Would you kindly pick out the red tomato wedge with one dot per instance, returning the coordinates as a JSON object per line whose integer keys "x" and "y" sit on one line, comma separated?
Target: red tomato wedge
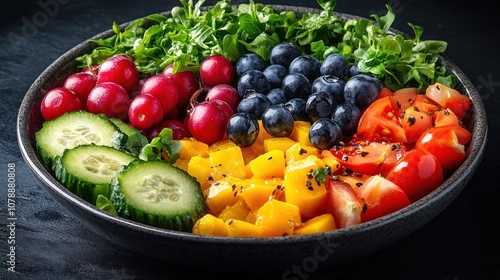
{"x": 343, "y": 204}
{"x": 415, "y": 122}
{"x": 445, "y": 117}
{"x": 417, "y": 174}
{"x": 442, "y": 142}
{"x": 450, "y": 98}
{"x": 405, "y": 97}
{"x": 381, "y": 122}
{"x": 380, "y": 197}
{"x": 369, "y": 158}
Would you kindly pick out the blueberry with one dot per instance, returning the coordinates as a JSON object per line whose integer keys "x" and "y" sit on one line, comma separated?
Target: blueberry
{"x": 347, "y": 115}
{"x": 331, "y": 84}
{"x": 297, "y": 106}
{"x": 296, "y": 85}
{"x": 253, "y": 80}
{"x": 255, "y": 104}
{"x": 277, "y": 121}
{"x": 335, "y": 65}
{"x": 362, "y": 90}
{"x": 249, "y": 61}
{"x": 306, "y": 65}
{"x": 275, "y": 74}
{"x": 242, "y": 129}
{"x": 320, "y": 105}
{"x": 283, "y": 54}
{"x": 353, "y": 70}
{"x": 325, "y": 133}
{"x": 277, "y": 96}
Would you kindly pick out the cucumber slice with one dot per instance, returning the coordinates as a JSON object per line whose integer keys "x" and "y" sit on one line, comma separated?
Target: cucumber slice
{"x": 73, "y": 129}
{"x": 87, "y": 170}
{"x": 158, "y": 194}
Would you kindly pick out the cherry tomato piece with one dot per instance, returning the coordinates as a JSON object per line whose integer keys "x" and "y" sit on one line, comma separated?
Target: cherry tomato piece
{"x": 110, "y": 99}
{"x": 145, "y": 111}
{"x": 362, "y": 157}
{"x": 119, "y": 69}
{"x": 164, "y": 88}
{"x": 58, "y": 101}
{"x": 81, "y": 84}
{"x": 450, "y": 98}
{"x": 380, "y": 122}
{"x": 443, "y": 143}
{"x": 343, "y": 204}
{"x": 207, "y": 122}
{"x": 216, "y": 69}
{"x": 415, "y": 122}
{"x": 187, "y": 84}
{"x": 380, "y": 197}
{"x": 418, "y": 173}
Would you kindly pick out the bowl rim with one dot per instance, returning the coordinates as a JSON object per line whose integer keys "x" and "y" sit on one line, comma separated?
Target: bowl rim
{"x": 463, "y": 172}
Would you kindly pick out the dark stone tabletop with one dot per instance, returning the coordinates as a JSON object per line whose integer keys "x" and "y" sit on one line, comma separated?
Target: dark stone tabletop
{"x": 462, "y": 242}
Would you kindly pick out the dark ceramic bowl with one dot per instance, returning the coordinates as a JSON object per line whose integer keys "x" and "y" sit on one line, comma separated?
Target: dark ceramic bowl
{"x": 267, "y": 255}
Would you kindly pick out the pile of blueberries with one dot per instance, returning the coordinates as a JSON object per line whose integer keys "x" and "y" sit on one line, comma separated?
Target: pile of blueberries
{"x": 298, "y": 87}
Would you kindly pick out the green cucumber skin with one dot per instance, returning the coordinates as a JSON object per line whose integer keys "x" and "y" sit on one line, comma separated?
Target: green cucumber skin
{"x": 181, "y": 222}
{"x": 83, "y": 189}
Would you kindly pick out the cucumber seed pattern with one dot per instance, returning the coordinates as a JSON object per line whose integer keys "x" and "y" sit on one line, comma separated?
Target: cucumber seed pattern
{"x": 80, "y": 135}
{"x": 156, "y": 189}
{"x": 99, "y": 164}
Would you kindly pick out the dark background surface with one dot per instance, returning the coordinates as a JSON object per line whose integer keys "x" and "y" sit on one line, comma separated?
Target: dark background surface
{"x": 462, "y": 242}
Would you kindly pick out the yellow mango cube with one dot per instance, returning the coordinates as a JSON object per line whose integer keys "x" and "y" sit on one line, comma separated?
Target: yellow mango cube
{"x": 238, "y": 228}
{"x": 278, "y": 143}
{"x": 278, "y": 218}
{"x": 298, "y": 151}
{"x": 201, "y": 168}
{"x": 210, "y": 225}
{"x": 237, "y": 211}
{"x": 321, "y": 223}
{"x": 227, "y": 162}
{"x": 268, "y": 165}
{"x": 192, "y": 147}
{"x": 300, "y": 132}
{"x": 302, "y": 189}
{"x": 222, "y": 193}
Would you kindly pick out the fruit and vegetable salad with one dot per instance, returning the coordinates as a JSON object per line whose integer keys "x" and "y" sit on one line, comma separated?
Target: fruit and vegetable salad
{"x": 242, "y": 121}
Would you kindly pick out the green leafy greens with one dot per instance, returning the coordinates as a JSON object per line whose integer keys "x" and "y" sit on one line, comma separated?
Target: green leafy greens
{"x": 193, "y": 32}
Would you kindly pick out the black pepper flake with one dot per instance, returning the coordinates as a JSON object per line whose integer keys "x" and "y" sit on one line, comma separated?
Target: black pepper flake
{"x": 235, "y": 193}
{"x": 416, "y": 109}
{"x": 309, "y": 185}
{"x": 345, "y": 158}
{"x": 269, "y": 158}
{"x": 302, "y": 151}
{"x": 411, "y": 120}
{"x": 220, "y": 164}
{"x": 359, "y": 184}
{"x": 310, "y": 176}
{"x": 365, "y": 207}
{"x": 216, "y": 183}
{"x": 395, "y": 147}
{"x": 399, "y": 105}
{"x": 233, "y": 187}
{"x": 363, "y": 153}
{"x": 210, "y": 178}
{"x": 446, "y": 112}
{"x": 230, "y": 221}
{"x": 410, "y": 100}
